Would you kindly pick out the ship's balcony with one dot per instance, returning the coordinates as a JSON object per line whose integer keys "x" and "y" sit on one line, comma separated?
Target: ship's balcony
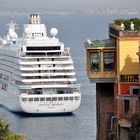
{"x": 116, "y": 31}
{"x": 101, "y": 61}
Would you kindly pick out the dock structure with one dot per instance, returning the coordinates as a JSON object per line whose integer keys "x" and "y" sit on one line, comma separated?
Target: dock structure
{"x": 113, "y": 64}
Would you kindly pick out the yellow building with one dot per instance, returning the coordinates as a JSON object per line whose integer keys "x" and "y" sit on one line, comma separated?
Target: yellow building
{"x": 114, "y": 66}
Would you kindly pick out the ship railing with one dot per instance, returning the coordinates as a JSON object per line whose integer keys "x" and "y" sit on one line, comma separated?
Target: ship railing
{"x": 66, "y": 72}
{"x": 45, "y": 59}
{"x": 63, "y": 84}
{"x": 50, "y": 91}
{"x": 51, "y": 83}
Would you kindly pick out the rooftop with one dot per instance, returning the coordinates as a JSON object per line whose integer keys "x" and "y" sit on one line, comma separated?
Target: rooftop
{"x": 125, "y": 28}
{"x": 101, "y": 43}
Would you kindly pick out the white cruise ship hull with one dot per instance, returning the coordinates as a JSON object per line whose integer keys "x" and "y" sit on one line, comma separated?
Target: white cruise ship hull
{"x": 9, "y": 98}
{"x": 51, "y": 104}
{"x": 62, "y": 103}
{"x": 36, "y": 71}
{"x": 48, "y": 103}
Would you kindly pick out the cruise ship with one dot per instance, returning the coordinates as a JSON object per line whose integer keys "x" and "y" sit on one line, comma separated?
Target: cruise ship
{"x": 36, "y": 71}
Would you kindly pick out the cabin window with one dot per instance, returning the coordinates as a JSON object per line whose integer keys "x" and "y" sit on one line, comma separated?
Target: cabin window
{"x": 48, "y": 99}
{"x": 109, "y": 61}
{"x": 24, "y": 99}
{"x": 60, "y": 92}
{"x": 66, "y": 98}
{"x": 54, "y": 98}
{"x": 42, "y": 99}
{"x": 23, "y": 90}
{"x": 60, "y": 98}
{"x": 30, "y": 99}
{"x": 95, "y": 61}
{"x": 71, "y": 98}
{"x": 36, "y": 99}
{"x": 38, "y": 91}
{"x": 77, "y": 98}
{"x": 126, "y": 106}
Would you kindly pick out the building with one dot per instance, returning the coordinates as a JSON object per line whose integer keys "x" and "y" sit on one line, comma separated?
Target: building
{"x": 114, "y": 66}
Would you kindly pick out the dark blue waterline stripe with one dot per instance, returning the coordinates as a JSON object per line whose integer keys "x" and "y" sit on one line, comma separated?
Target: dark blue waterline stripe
{"x": 35, "y": 114}
{"x": 9, "y": 109}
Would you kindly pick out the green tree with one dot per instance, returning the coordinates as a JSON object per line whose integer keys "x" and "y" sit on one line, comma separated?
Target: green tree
{"x": 119, "y": 21}
{"x": 136, "y": 22}
{"x": 7, "y": 134}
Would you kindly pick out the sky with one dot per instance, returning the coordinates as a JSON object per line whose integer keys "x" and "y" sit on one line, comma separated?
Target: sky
{"x": 69, "y": 4}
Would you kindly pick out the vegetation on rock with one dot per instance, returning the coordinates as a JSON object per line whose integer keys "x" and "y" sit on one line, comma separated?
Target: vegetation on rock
{"x": 7, "y": 134}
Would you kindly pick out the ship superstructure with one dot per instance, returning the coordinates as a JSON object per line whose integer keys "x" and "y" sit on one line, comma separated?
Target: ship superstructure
{"x": 38, "y": 70}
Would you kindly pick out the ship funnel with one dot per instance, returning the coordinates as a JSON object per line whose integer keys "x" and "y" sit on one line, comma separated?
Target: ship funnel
{"x": 34, "y": 19}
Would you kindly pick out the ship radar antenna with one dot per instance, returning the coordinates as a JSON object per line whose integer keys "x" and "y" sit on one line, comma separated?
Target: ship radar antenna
{"x": 54, "y": 32}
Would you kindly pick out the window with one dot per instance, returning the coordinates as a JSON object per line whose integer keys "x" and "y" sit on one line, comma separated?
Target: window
{"x": 60, "y": 98}
{"x": 24, "y": 99}
{"x": 36, "y": 99}
{"x": 38, "y": 91}
{"x": 60, "y": 92}
{"x": 54, "y": 98}
{"x": 71, "y": 98}
{"x": 48, "y": 99}
{"x": 23, "y": 91}
{"x": 109, "y": 59}
{"x": 42, "y": 99}
{"x": 77, "y": 98}
{"x": 42, "y": 48}
{"x": 30, "y": 99}
{"x": 66, "y": 98}
{"x": 95, "y": 61}
{"x": 126, "y": 106}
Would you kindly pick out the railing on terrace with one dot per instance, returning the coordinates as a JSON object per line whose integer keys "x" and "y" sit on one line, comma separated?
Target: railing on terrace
{"x": 117, "y": 31}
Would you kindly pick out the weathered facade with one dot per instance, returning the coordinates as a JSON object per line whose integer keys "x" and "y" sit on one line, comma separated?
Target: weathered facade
{"x": 114, "y": 66}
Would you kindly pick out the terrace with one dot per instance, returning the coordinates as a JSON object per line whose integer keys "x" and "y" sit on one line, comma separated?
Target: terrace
{"x": 125, "y": 28}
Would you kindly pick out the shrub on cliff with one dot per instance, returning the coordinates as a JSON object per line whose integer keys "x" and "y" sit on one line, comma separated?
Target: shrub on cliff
{"x": 7, "y": 134}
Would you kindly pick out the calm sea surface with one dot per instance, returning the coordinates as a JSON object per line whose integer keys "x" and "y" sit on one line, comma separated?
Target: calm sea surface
{"x": 81, "y": 125}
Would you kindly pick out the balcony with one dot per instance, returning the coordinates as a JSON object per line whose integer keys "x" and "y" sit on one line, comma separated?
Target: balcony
{"x": 101, "y": 60}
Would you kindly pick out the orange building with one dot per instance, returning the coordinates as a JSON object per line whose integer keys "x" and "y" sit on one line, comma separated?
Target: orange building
{"x": 114, "y": 66}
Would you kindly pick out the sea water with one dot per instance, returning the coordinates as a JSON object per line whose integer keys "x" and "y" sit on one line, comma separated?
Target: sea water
{"x": 81, "y": 124}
